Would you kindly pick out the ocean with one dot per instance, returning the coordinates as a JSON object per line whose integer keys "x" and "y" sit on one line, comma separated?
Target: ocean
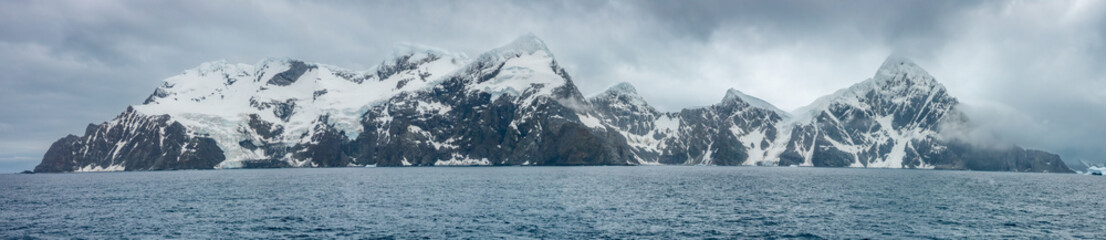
{"x": 643, "y": 202}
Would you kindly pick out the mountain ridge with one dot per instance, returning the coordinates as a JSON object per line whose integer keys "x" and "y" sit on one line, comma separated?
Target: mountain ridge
{"x": 513, "y": 105}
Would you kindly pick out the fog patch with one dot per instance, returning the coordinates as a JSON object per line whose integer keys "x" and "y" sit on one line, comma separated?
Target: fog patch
{"x": 575, "y": 104}
{"x": 991, "y": 125}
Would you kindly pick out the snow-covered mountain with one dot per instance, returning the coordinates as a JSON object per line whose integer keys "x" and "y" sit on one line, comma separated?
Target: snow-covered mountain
{"x": 512, "y": 105}
{"x": 739, "y": 130}
{"x": 881, "y": 122}
{"x": 894, "y": 120}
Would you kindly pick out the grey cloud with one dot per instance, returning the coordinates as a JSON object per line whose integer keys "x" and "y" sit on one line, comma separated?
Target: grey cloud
{"x": 896, "y": 22}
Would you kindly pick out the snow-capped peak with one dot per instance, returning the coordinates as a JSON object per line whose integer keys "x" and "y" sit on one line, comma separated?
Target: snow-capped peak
{"x": 212, "y": 66}
{"x": 277, "y": 62}
{"x": 898, "y": 62}
{"x": 622, "y": 88}
{"x": 419, "y": 52}
{"x": 522, "y": 67}
{"x": 897, "y": 80}
{"x": 527, "y": 44}
{"x": 901, "y": 70}
{"x": 733, "y": 95}
{"x": 900, "y": 77}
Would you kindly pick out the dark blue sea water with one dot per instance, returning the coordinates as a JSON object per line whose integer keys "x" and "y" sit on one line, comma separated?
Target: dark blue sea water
{"x": 554, "y": 202}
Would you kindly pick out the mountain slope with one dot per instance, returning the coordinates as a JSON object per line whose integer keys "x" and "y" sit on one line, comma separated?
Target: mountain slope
{"x": 739, "y": 130}
{"x": 894, "y": 120}
{"x": 517, "y": 106}
{"x": 132, "y": 141}
{"x": 513, "y": 105}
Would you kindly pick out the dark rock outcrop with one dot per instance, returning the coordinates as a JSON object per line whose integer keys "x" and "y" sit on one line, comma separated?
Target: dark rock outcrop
{"x": 132, "y": 142}
{"x": 960, "y": 155}
{"x": 288, "y": 77}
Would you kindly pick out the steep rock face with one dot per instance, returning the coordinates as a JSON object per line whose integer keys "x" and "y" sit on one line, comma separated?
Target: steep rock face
{"x": 288, "y": 77}
{"x": 740, "y": 130}
{"x": 512, "y": 106}
{"x": 132, "y": 142}
{"x": 643, "y": 127}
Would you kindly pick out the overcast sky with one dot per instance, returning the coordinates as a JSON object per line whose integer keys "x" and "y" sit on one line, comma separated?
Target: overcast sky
{"x": 1032, "y": 73}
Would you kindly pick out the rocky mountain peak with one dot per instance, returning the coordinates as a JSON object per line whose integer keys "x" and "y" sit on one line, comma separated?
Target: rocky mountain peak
{"x": 896, "y": 61}
{"x": 622, "y": 88}
{"x": 278, "y": 63}
{"x": 528, "y": 44}
{"x": 899, "y": 81}
{"x": 212, "y": 66}
{"x": 523, "y": 68}
{"x": 622, "y": 92}
{"x": 733, "y": 96}
{"x": 899, "y": 71}
{"x": 420, "y": 51}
